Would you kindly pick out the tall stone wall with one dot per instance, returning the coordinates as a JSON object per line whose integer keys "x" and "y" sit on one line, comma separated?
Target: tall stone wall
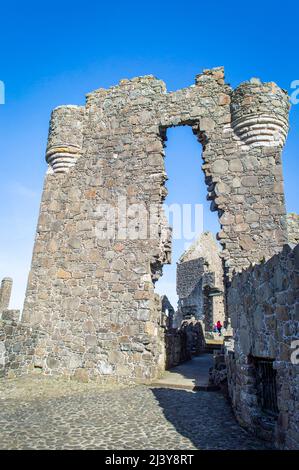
{"x": 253, "y": 228}
{"x": 263, "y": 303}
{"x": 94, "y": 294}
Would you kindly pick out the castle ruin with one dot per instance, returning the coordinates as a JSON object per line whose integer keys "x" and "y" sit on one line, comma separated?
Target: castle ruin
{"x": 94, "y": 296}
{"x": 91, "y": 311}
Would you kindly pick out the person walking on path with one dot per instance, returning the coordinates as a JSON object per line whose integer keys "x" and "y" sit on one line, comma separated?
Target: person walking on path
{"x": 219, "y": 327}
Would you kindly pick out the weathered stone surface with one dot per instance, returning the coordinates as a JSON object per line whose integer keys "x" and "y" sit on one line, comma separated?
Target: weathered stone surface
{"x": 17, "y": 344}
{"x": 183, "y": 342}
{"x": 95, "y": 261}
{"x": 293, "y": 228}
{"x": 200, "y": 277}
{"x": 5, "y": 293}
{"x": 262, "y": 302}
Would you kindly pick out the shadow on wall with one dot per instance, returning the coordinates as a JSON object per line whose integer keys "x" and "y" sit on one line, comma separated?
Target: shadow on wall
{"x": 205, "y": 418}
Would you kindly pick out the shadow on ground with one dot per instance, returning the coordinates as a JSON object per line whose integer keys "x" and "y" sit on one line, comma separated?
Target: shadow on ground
{"x": 49, "y": 414}
{"x": 206, "y": 419}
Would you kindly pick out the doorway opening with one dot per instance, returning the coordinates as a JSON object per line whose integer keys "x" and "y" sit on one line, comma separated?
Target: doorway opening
{"x": 193, "y": 282}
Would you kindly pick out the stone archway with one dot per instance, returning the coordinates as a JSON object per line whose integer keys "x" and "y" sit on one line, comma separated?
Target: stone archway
{"x": 93, "y": 295}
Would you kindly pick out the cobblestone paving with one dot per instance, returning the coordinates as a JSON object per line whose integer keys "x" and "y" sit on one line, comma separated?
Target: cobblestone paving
{"x": 51, "y": 414}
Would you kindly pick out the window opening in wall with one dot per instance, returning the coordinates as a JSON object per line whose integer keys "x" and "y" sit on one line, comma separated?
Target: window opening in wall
{"x": 266, "y": 385}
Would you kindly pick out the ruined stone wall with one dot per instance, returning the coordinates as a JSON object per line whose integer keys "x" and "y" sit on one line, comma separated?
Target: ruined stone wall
{"x": 18, "y": 343}
{"x": 184, "y": 342}
{"x": 167, "y": 312}
{"x": 205, "y": 248}
{"x": 263, "y": 304}
{"x": 293, "y": 228}
{"x": 94, "y": 295}
{"x": 249, "y": 173}
{"x": 18, "y": 340}
{"x": 199, "y": 274}
{"x": 175, "y": 348}
{"x": 189, "y": 287}
{"x": 218, "y": 310}
{"x": 5, "y": 293}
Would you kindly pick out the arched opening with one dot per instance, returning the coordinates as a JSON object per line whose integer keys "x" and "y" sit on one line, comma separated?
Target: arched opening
{"x": 190, "y": 282}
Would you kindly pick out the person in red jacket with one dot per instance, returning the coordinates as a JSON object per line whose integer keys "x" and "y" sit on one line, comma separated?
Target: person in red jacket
{"x": 219, "y": 327}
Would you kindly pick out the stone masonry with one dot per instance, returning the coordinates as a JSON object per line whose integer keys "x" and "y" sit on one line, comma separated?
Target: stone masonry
{"x": 5, "y": 293}
{"x": 200, "y": 282}
{"x": 184, "y": 342}
{"x": 293, "y": 228}
{"x": 167, "y": 312}
{"x": 17, "y": 346}
{"x": 263, "y": 364}
{"x": 91, "y": 284}
{"x": 17, "y": 340}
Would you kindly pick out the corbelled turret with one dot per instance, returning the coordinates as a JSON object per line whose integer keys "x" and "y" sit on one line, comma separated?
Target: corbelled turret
{"x": 65, "y": 138}
{"x": 260, "y": 113}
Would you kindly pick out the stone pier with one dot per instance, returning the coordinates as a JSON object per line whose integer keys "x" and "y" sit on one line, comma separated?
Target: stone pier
{"x": 5, "y": 294}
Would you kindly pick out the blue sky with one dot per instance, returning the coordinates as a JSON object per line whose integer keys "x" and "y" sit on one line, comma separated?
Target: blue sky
{"x": 55, "y": 53}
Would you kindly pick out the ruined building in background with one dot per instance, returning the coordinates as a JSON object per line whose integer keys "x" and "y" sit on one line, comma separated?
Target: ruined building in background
{"x": 168, "y": 313}
{"x": 5, "y": 294}
{"x": 200, "y": 282}
{"x": 293, "y": 228}
{"x": 91, "y": 311}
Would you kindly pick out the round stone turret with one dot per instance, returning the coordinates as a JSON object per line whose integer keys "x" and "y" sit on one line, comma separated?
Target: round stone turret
{"x": 260, "y": 113}
{"x": 65, "y": 138}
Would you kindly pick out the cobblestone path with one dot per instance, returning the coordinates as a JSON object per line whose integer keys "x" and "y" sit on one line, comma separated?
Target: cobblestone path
{"x": 48, "y": 414}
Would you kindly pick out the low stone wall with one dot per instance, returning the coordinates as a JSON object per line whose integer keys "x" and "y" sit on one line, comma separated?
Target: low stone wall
{"x": 182, "y": 343}
{"x": 218, "y": 373}
{"x": 17, "y": 345}
{"x": 175, "y": 346}
{"x": 263, "y": 304}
